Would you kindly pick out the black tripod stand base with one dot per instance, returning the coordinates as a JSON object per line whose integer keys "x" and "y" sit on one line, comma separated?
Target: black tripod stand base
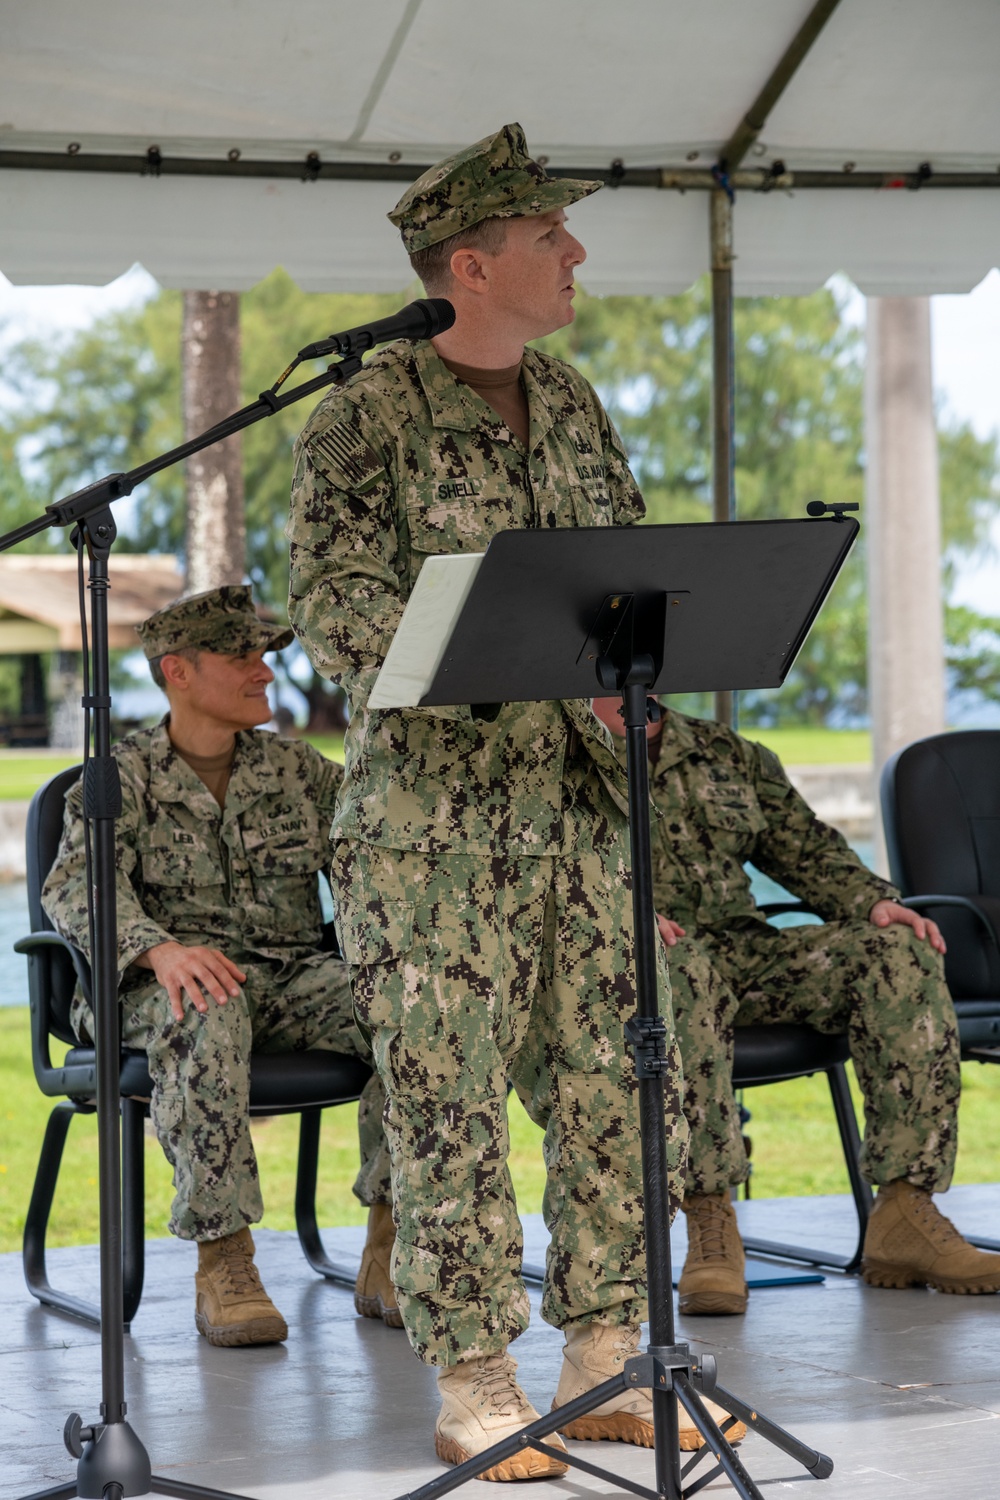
{"x": 114, "y": 1465}
{"x": 158, "y": 1485}
{"x": 662, "y": 1371}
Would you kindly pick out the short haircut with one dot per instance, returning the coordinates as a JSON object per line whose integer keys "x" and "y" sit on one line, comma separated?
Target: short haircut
{"x": 433, "y": 265}
{"x": 189, "y": 653}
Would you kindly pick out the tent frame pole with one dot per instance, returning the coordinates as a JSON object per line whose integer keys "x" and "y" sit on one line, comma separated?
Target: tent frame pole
{"x": 723, "y": 384}
{"x": 721, "y": 262}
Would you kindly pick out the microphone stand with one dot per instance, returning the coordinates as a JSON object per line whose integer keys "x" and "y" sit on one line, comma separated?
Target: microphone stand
{"x": 111, "y": 1461}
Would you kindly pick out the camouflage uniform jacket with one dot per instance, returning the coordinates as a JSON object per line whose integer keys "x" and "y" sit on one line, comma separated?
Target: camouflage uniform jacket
{"x": 401, "y": 463}
{"x": 242, "y": 880}
{"x": 720, "y": 800}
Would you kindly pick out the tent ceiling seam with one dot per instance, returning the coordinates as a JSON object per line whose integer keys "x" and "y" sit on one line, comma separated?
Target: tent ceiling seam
{"x": 384, "y": 71}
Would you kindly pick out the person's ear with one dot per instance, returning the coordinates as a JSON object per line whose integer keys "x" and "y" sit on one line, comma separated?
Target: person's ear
{"x": 469, "y": 270}
{"x": 176, "y": 671}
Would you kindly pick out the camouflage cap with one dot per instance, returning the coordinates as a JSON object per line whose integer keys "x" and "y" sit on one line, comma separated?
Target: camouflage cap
{"x": 494, "y": 179}
{"x": 222, "y": 620}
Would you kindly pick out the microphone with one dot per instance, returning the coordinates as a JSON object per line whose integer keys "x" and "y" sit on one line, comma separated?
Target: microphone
{"x": 420, "y": 320}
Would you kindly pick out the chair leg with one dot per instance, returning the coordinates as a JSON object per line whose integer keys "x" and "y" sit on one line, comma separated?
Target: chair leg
{"x": 851, "y": 1141}
{"x": 133, "y": 1207}
{"x": 305, "y": 1203}
{"x": 39, "y": 1209}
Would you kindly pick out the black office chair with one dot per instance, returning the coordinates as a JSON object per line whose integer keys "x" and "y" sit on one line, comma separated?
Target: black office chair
{"x": 303, "y": 1083}
{"x": 941, "y": 814}
{"x": 777, "y": 1053}
{"x": 773, "y": 1054}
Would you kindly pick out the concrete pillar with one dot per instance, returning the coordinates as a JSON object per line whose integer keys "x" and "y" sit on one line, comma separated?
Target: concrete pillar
{"x": 903, "y": 529}
{"x": 65, "y": 710}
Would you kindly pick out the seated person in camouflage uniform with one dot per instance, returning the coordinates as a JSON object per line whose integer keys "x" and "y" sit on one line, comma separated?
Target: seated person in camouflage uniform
{"x": 873, "y": 969}
{"x": 222, "y": 833}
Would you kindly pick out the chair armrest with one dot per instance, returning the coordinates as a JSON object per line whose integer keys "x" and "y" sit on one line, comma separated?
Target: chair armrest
{"x": 35, "y": 941}
{"x": 54, "y": 1081}
{"x": 967, "y": 903}
{"x": 778, "y": 908}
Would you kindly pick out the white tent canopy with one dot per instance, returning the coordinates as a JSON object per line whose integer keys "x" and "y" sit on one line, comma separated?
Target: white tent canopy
{"x": 888, "y": 85}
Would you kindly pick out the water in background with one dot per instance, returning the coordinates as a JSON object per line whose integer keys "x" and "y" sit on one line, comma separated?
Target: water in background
{"x": 14, "y": 924}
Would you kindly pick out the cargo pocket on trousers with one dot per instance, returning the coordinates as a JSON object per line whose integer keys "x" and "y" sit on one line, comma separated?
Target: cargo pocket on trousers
{"x": 373, "y": 938}
{"x": 415, "y": 1270}
{"x": 166, "y": 1111}
{"x": 432, "y": 1279}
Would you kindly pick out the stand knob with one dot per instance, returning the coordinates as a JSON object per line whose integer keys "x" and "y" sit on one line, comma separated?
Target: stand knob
{"x": 75, "y": 1435}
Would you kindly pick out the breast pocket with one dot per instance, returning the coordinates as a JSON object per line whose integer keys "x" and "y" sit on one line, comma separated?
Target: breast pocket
{"x": 178, "y": 883}
{"x": 285, "y": 855}
{"x": 179, "y": 865}
{"x": 459, "y": 515}
{"x": 733, "y": 816}
{"x": 591, "y": 504}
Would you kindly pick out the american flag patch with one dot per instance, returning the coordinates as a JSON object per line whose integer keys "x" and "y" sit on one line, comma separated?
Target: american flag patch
{"x": 349, "y": 454}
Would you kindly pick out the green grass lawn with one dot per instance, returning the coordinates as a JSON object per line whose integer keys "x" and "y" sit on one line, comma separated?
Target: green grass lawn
{"x": 23, "y": 772}
{"x": 809, "y": 745}
{"x": 796, "y": 1150}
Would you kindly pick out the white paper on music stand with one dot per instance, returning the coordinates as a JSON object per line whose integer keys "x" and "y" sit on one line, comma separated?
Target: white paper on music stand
{"x": 429, "y": 618}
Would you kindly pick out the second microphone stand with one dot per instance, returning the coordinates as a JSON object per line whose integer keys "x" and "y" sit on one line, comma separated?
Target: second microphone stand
{"x": 112, "y": 1463}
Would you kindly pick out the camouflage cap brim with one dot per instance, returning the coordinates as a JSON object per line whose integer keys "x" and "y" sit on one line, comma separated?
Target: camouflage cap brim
{"x": 223, "y": 620}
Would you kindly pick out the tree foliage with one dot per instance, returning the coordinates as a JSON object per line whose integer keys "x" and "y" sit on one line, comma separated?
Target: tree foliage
{"x": 109, "y": 398}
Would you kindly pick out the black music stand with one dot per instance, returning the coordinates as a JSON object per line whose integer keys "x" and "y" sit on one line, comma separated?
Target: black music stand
{"x": 658, "y": 609}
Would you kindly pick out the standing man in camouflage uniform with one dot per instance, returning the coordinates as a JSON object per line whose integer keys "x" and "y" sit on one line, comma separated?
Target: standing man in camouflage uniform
{"x": 222, "y": 834}
{"x": 481, "y": 860}
{"x": 873, "y": 969}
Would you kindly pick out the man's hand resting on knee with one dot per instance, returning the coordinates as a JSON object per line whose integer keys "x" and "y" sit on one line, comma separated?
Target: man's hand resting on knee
{"x": 885, "y": 913}
{"x": 198, "y": 972}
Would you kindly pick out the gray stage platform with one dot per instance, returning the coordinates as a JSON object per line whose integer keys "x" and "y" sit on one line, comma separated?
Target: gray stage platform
{"x": 902, "y": 1389}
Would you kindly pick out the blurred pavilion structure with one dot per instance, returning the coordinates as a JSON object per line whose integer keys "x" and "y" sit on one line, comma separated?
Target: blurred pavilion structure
{"x": 40, "y": 614}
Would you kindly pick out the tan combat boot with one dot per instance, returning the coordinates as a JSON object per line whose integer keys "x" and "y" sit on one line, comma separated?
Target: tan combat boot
{"x": 374, "y": 1293}
{"x": 595, "y": 1352}
{"x": 231, "y": 1305}
{"x": 482, "y": 1403}
{"x": 714, "y": 1278}
{"x": 909, "y": 1242}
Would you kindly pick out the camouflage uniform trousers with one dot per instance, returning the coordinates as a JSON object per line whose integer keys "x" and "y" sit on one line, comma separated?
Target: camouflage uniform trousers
{"x": 882, "y": 986}
{"x": 200, "y": 1071}
{"x": 472, "y": 971}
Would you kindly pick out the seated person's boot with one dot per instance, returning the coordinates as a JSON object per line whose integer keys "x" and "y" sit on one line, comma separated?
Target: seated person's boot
{"x": 595, "y": 1352}
{"x": 714, "y": 1277}
{"x": 481, "y": 1404}
{"x": 374, "y": 1293}
{"x": 909, "y": 1242}
{"x": 231, "y": 1305}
